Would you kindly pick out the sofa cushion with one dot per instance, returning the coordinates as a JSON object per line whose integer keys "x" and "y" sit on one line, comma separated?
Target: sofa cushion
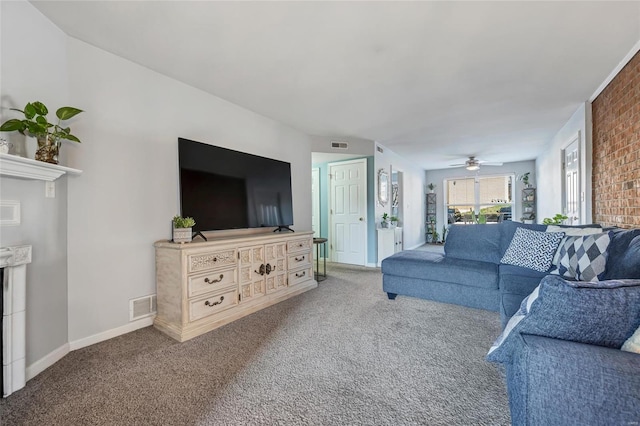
{"x": 435, "y": 266}
{"x": 474, "y": 242}
{"x": 508, "y": 229}
{"x": 603, "y": 313}
{"x": 624, "y": 255}
{"x": 582, "y": 258}
{"x": 532, "y": 249}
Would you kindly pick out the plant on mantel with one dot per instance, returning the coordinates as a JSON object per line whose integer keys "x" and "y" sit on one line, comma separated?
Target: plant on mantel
{"x": 35, "y": 123}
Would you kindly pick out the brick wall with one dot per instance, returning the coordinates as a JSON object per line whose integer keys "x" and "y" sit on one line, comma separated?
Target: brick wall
{"x": 616, "y": 150}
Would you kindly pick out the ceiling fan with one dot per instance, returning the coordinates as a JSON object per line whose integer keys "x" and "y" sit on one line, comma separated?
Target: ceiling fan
{"x": 474, "y": 164}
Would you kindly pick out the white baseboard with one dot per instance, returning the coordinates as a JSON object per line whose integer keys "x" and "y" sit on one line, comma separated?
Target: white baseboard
{"x": 372, "y": 265}
{"x": 110, "y": 334}
{"x": 415, "y": 247}
{"x": 47, "y": 361}
{"x": 56, "y": 355}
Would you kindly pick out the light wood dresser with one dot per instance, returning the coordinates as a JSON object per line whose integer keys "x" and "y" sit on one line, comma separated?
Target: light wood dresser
{"x": 204, "y": 285}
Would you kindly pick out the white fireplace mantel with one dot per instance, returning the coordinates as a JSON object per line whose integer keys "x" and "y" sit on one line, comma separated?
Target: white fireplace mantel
{"x": 14, "y": 261}
{"x": 26, "y": 168}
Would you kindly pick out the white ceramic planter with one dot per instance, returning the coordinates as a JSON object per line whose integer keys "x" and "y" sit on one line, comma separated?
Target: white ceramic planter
{"x": 182, "y": 235}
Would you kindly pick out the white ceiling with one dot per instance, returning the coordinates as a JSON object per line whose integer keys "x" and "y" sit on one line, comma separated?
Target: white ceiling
{"x": 433, "y": 81}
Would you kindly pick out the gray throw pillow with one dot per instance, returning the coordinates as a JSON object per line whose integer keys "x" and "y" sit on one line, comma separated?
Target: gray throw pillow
{"x": 583, "y": 258}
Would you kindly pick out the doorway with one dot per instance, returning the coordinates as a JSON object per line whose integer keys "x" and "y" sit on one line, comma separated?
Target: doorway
{"x": 571, "y": 194}
{"x": 348, "y": 212}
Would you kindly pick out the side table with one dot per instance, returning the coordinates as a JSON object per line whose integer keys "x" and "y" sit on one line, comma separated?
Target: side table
{"x": 321, "y": 242}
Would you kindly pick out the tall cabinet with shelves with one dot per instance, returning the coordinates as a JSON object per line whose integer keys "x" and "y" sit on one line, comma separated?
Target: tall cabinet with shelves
{"x": 430, "y": 226}
{"x": 529, "y": 205}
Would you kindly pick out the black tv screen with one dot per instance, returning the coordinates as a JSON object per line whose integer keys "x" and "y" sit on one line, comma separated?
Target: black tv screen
{"x": 226, "y": 189}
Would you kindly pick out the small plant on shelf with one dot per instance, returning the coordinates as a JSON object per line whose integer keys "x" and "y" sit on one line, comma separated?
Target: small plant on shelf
{"x": 431, "y": 187}
{"x": 393, "y": 220}
{"x": 385, "y": 220}
{"x": 558, "y": 219}
{"x": 525, "y": 179}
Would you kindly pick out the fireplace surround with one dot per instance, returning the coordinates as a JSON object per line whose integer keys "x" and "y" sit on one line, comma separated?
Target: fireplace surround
{"x": 13, "y": 261}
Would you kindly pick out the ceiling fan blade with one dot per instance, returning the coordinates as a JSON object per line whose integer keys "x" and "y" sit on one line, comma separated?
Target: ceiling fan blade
{"x": 490, "y": 163}
{"x": 457, "y": 165}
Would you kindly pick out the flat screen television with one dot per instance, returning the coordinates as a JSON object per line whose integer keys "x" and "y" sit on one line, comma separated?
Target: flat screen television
{"x": 226, "y": 189}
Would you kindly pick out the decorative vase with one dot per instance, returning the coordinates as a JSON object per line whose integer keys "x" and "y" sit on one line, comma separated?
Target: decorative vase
{"x": 384, "y": 224}
{"x": 182, "y": 235}
{"x": 48, "y": 149}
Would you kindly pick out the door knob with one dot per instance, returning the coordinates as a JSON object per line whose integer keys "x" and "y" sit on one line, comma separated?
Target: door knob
{"x": 361, "y": 219}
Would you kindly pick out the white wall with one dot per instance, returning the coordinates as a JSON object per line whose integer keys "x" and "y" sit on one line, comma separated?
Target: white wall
{"x": 34, "y": 67}
{"x": 356, "y": 146}
{"x": 129, "y": 190}
{"x": 549, "y": 166}
{"x": 90, "y": 260}
{"x": 518, "y": 168}
{"x": 412, "y": 197}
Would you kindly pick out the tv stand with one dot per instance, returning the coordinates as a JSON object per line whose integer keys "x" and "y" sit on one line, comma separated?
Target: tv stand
{"x": 281, "y": 228}
{"x": 195, "y": 234}
{"x": 204, "y": 285}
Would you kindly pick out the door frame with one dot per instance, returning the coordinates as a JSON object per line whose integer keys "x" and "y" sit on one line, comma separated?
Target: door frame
{"x": 315, "y": 198}
{"x": 563, "y": 181}
{"x": 330, "y": 207}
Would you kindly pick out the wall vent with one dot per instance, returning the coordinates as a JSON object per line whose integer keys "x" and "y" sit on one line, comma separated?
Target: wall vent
{"x": 379, "y": 148}
{"x": 339, "y": 145}
{"x": 142, "y": 307}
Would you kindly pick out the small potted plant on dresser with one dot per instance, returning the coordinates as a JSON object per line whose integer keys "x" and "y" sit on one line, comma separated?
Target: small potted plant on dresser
{"x": 182, "y": 229}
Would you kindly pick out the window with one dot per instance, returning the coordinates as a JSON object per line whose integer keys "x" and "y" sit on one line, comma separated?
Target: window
{"x": 479, "y": 199}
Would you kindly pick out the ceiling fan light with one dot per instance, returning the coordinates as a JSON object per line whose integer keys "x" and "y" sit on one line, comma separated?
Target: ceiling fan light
{"x": 473, "y": 167}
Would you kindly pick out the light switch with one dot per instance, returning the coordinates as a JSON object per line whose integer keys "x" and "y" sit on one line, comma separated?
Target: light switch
{"x": 50, "y": 189}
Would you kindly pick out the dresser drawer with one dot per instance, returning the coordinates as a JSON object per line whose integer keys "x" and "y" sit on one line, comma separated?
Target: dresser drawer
{"x": 211, "y": 281}
{"x": 207, "y": 261}
{"x": 300, "y": 276}
{"x": 213, "y": 304}
{"x": 299, "y": 260}
{"x": 299, "y": 245}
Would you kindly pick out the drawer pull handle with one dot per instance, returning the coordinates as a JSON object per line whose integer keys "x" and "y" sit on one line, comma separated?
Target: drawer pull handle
{"x": 207, "y": 303}
{"x": 208, "y": 281}
{"x": 268, "y": 270}
{"x": 215, "y": 259}
{"x": 298, "y": 259}
{"x": 260, "y": 271}
{"x": 300, "y": 245}
{"x": 302, "y": 274}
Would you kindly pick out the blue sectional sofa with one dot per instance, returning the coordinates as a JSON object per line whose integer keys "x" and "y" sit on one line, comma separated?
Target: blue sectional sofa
{"x": 468, "y": 274}
{"x": 563, "y": 363}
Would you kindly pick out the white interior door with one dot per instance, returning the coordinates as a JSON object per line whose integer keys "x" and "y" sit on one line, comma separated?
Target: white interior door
{"x": 315, "y": 201}
{"x": 348, "y": 212}
{"x": 571, "y": 187}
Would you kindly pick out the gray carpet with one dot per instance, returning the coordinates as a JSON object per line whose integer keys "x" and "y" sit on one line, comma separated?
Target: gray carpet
{"x": 340, "y": 354}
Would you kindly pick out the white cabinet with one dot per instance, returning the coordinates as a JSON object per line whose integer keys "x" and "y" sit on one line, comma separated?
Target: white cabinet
{"x": 389, "y": 242}
{"x": 204, "y": 285}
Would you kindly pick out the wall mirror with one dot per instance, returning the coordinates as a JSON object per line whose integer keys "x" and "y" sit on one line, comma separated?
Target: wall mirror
{"x": 383, "y": 187}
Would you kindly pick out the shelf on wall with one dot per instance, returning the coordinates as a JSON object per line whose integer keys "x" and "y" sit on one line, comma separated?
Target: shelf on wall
{"x": 26, "y": 168}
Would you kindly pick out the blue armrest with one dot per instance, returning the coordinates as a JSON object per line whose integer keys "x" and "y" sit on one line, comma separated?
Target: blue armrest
{"x": 557, "y": 382}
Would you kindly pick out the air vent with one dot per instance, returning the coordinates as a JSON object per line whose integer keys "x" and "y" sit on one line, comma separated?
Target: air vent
{"x": 339, "y": 145}
{"x": 142, "y": 307}
{"x": 379, "y": 148}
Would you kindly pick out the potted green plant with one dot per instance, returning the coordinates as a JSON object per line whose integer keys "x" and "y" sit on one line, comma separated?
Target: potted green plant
{"x": 393, "y": 220}
{"x": 525, "y": 179}
{"x": 182, "y": 229}
{"x": 558, "y": 219}
{"x": 431, "y": 187}
{"x": 35, "y": 123}
{"x": 385, "y": 220}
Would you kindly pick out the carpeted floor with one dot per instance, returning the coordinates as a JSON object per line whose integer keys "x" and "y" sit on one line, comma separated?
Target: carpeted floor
{"x": 342, "y": 354}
